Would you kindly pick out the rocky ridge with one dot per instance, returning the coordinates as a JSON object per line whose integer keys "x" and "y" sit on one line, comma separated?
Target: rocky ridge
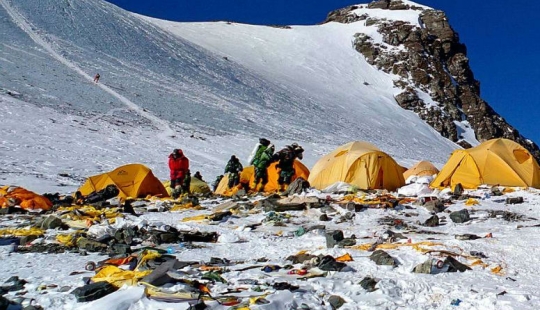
{"x": 431, "y": 58}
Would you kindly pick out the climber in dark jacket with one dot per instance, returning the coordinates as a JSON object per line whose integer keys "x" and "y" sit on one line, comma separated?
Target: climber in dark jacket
{"x": 285, "y": 159}
{"x": 216, "y": 182}
{"x": 233, "y": 168}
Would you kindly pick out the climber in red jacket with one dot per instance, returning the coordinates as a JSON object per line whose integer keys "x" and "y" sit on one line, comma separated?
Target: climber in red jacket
{"x": 179, "y": 165}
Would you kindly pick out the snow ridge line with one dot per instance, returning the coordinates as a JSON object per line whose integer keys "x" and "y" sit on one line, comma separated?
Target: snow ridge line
{"x": 166, "y": 130}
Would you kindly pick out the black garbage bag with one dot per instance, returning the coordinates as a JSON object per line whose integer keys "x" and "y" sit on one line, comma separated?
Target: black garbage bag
{"x": 93, "y": 291}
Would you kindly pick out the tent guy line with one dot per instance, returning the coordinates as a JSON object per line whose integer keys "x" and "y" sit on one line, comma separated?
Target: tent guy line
{"x": 166, "y": 132}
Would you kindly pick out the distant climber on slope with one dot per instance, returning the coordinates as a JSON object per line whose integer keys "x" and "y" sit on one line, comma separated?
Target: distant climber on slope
{"x": 96, "y": 78}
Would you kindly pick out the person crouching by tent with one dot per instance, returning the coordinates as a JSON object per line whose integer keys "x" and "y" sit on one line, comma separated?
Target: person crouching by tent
{"x": 233, "y": 168}
{"x": 198, "y": 175}
{"x": 261, "y": 161}
{"x": 285, "y": 159}
{"x": 186, "y": 183}
{"x": 216, "y": 182}
{"x": 179, "y": 166}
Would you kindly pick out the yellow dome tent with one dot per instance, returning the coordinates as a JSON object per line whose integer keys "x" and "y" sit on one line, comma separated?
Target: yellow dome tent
{"x": 422, "y": 168}
{"x": 133, "y": 180}
{"x": 494, "y": 162}
{"x": 248, "y": 175}
{"x": 357, "y": 163}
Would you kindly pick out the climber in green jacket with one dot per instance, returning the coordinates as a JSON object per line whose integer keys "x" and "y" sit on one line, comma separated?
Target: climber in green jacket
{"x": 261, "y": 161}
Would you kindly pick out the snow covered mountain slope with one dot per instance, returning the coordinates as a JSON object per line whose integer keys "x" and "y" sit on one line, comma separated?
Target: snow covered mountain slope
{"x": 159, "y": 91}
{"x": 319, "y": 62}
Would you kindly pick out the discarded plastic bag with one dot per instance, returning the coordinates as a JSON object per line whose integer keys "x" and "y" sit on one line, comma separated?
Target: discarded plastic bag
{"x": 471, "y": 202}
{"x": 119, "y": 277}
{"x": 390, "y": 246}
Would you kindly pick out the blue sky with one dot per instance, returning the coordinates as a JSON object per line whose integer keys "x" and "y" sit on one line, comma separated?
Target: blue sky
{"x": 502, "y": 39}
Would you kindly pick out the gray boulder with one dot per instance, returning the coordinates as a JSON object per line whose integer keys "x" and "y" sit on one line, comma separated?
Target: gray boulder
{"x": 432, "y": 221}
{"x": 336, "y": 301}
{"x": 368, "y": 283}
{"x": 333, "y": 237}
{"x": 435, "y": 206}
{"x": 460, "y": 216}
{"x": 380, "y": 257}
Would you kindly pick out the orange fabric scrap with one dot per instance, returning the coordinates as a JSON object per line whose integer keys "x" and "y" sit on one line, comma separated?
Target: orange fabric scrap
{"x": 345, "y": 258}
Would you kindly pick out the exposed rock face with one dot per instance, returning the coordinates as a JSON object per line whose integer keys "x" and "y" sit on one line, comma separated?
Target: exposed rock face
{"x": 432, "y": 59}
{"x": 344, "y": 15}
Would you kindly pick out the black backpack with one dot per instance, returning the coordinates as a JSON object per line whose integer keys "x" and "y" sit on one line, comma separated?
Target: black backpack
{"x": 108, "y": 192}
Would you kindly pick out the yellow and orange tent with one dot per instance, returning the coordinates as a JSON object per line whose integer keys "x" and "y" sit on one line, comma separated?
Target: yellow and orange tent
{"x": 28, "y": 200}
{"x": 248, "y": 176}
{"x": 133, "y": 180}
{"x": 358, "y": 163}
{"x": 494, "y": 162}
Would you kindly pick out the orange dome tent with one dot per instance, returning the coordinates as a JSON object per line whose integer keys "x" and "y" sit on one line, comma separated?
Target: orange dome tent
{"x": 248, "y": 175}
{"x": 133, "y": 180}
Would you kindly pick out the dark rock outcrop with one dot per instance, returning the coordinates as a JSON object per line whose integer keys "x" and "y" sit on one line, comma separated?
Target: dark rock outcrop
{"x": 430, "y": 58}
{"x": 344, "y": 15}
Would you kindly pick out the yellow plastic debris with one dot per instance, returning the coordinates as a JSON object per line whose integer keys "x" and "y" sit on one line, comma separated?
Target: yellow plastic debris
{"x": 119, "y": 277}
{"x": 19, "y": 232}
{"x": 471, "y": 202}
{"x": 479, "y": 262}
{"x": 186, "y": 206}
{"x": 349, "y": 197}
{"x": 254, "y": 300}
{"x": 89, "y": 213}
{"x": 498, "y": 270}
{"x": 345, "y": 258}
{"x": 69, "y": 240}
{"x": 197, "y": 218}
{"x": 390, "y": 246}
{"x": 146, "y": 256}
{"x": 156, "y": 292}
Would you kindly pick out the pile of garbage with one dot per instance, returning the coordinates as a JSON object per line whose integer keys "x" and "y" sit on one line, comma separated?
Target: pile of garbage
{"x": 142, "y": 245}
